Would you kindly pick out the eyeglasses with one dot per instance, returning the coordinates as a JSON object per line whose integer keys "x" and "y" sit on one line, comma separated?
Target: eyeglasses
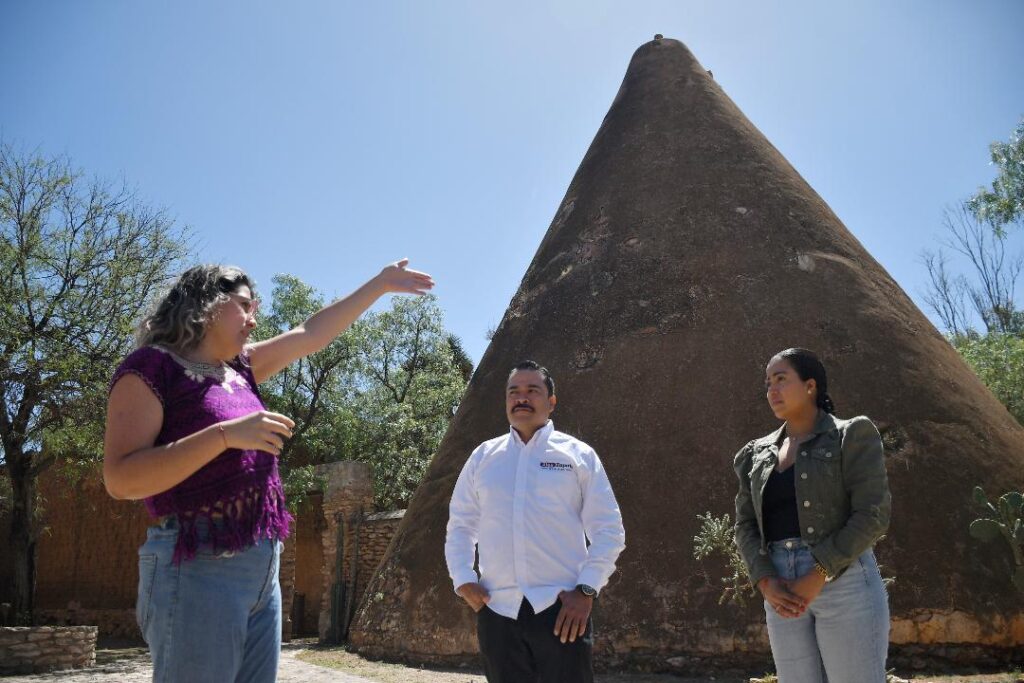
{"x": 248, "y": 306}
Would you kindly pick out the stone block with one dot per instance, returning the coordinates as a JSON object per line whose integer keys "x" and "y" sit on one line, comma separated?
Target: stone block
{"x": 13, "y": 634}
{"x": 25, "y": 650}
{"x": 40, "y": 635}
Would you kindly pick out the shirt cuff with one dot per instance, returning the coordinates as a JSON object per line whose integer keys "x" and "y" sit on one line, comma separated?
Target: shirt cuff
{"x": 462, "y": 578}
{"x": 592, "y": 577}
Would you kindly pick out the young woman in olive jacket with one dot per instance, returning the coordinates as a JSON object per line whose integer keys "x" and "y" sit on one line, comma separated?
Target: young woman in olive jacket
{"x": 813, "y": 499}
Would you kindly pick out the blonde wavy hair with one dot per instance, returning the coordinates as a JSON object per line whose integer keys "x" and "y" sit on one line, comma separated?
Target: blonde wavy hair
{"x": 178, "y": 320}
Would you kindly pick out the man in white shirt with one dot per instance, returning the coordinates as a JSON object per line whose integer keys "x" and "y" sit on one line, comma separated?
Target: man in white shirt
{"x": 530, "y": 500}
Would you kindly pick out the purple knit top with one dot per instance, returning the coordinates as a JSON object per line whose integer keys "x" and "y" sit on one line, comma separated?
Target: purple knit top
{"x": 242, "y": 487}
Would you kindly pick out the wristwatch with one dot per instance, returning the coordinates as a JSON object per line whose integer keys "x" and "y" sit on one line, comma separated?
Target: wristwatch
{"x": 588, "y": 591}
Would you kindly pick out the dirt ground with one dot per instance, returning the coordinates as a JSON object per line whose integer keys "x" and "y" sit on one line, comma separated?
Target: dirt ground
{"x": 304, "y": 662}
{"x": 381, "y": 672}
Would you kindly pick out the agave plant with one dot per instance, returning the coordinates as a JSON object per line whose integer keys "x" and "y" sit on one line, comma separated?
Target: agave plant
{"x": 1005, "y": 520}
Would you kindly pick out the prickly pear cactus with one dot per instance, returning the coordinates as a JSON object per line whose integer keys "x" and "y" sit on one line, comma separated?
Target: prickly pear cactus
{"x": 1005, "y": 520}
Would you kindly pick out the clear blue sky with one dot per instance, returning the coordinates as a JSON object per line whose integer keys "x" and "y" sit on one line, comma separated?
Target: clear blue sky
{"x": 327, "y": 138}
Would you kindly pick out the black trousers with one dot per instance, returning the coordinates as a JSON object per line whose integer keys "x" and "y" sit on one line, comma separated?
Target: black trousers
{"x": 526, "y": 649}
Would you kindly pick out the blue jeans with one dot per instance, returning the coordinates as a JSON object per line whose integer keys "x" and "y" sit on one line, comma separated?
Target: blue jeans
{"x": 215, "y": 618}
{"x": 843, "y": 637}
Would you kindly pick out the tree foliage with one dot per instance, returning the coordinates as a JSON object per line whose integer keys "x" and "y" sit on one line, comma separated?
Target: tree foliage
{"x": 382, "y": 393}
{"x": 1004, "y": 203}
{"x": 998, "y": 360}
{"x": 79, "y": 261}
{"x": 309, "y": 390}
{"x": 979, "y": 311}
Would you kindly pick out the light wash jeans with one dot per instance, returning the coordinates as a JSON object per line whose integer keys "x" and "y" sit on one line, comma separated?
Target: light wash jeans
{"x": 215, "y": 618}
{"x": 843, "y": 637}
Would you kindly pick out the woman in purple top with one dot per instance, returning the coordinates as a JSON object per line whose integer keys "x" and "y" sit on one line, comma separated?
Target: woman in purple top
{"x": 187, "y": 432}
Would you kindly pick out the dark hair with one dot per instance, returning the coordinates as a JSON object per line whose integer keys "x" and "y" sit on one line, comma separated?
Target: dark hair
{"x": 179, "y": 319}
{"x": 549, "y": 381}
{"x": 807, "y": 367}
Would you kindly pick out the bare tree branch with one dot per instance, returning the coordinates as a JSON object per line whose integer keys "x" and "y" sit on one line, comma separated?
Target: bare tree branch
{"x": 990, "y": 292}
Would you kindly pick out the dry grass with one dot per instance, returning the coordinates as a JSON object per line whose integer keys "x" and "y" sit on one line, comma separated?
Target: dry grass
{"x": 350, "y": 663}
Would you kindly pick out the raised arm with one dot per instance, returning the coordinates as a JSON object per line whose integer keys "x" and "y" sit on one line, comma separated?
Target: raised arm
{"x": 273, "y": 355}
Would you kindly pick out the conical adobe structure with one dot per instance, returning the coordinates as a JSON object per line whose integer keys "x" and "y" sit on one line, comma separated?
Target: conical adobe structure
{"x": 686, "y": 252}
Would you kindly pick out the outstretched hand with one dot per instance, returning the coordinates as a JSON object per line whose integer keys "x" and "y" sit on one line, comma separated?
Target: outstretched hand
{"x": 399, "y": 279}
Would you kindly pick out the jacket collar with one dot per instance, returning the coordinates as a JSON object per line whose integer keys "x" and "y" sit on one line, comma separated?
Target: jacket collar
{"x": 823, "y": 424}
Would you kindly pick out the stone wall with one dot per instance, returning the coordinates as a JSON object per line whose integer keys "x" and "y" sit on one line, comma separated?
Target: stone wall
{"x": 375, "y": 535}
{"x": 309, "y": 562}
{"x": 286, "y": 577}
{"x": 347, "y": 498}
{"x": 87, "y": 564}
{"x": 87, "y": 556}
{"x": 87, "y": 553}
{"x": 112, "y": 623}
{"x": 37, "y": 649}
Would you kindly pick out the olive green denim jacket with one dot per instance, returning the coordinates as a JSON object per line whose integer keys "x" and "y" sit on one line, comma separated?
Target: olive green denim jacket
{"x": 842, "y": 493}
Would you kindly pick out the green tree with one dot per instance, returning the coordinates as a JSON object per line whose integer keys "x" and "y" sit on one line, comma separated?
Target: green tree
{"x": 313, "y": 391}
{"x": 998, "y": 360}
{"x": 382, "y": 393}
{"x": 979, "y": 312}
{"x": 459, "y": 356}
{"x": 79, "y": 261}
{"x": 411, "y": 385}
{"x": 1004, "y": 203}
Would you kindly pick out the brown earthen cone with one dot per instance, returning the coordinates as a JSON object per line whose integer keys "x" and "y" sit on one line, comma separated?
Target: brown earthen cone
{"x": 686, "y": 252}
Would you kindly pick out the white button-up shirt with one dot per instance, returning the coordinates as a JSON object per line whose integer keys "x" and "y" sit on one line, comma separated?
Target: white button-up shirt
{"x": 531, "y": 508}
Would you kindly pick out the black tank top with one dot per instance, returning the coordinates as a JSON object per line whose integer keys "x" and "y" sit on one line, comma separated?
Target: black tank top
{"x": 779, "y": 509}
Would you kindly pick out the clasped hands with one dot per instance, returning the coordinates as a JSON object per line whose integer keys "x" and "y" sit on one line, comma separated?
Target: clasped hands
{"x": 572, "y": 618}
{"x": 791, "y": 597}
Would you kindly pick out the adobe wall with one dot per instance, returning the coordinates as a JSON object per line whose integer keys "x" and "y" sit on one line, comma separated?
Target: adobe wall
{"x": 87, "y": 564}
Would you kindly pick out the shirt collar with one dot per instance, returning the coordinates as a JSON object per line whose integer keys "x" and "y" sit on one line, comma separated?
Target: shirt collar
{"x": 540, "y": 435}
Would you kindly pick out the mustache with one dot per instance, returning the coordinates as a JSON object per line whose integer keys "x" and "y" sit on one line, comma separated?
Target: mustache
{"x": 523, "y": 407}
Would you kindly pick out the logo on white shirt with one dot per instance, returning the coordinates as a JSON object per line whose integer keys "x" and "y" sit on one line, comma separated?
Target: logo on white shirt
{"x": 556, "y": 466}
